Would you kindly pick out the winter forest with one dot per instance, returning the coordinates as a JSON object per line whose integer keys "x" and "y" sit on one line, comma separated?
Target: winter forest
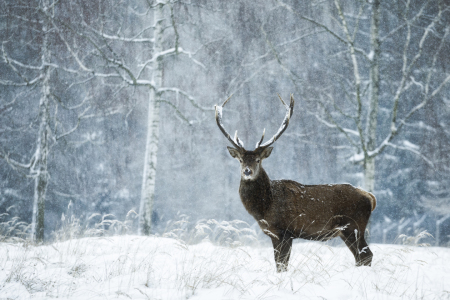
{"x": 107, "y": 108}
{"x": 116, "y": 182}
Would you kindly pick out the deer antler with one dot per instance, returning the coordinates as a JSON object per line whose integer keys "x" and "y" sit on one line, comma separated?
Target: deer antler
{"x": 284, "y": 124}
{"x": 237, "y": 143}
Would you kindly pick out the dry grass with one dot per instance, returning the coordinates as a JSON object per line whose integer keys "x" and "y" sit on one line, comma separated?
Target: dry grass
{"x": 209, "y": 259}
{"x": 12, "y": 229}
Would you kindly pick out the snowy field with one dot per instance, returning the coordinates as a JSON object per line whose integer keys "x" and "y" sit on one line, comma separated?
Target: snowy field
{"x": 134, "y": 267}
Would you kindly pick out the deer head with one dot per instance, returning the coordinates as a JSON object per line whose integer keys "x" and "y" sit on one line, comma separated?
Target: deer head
{"x": 251, "y": 160}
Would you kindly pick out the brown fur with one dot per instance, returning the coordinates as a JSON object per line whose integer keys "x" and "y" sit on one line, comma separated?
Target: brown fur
{"x": 373, "y": 200}
{"x": 286, "y": 209}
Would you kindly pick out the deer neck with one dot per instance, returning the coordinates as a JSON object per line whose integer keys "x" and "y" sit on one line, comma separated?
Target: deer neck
{"x": 256, "y": 195}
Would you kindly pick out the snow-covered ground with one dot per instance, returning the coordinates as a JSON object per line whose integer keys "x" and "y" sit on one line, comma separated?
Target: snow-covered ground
{"x": 134, "y": 267}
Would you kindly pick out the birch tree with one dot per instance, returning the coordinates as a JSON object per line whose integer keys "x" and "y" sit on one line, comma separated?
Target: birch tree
{"x": 28, "y": 78}
{"x": 155, "y": 94}
{"x": 377, "y": 65}
{"x": 134, "y": 56}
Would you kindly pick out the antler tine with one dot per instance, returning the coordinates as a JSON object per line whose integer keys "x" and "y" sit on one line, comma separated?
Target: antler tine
{"x": 284, "y": 124}
{"x": 291, "y": 105}
{"x": 227, "y": 100}
{"x": 237, "y": 143}
{"x": 284, "y": 104}
{"x": 262, "y": 138}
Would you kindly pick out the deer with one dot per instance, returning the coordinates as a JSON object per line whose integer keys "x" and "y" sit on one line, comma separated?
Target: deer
{"x": 286, "y": 210}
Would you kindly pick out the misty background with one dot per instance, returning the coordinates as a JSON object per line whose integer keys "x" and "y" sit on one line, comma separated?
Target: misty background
{"x": 80, "y": 75}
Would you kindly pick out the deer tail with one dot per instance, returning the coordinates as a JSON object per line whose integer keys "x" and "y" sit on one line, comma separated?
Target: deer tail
{"x": 373, "y": 200}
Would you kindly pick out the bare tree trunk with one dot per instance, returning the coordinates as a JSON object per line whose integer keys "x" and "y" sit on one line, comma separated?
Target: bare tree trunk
{"x": 371, "y": 128}
{"x": 369, "y": 174}
{"x": 40, "y": 156}
{"x": 151, "y": 147}
{"x": 41, "y": 179}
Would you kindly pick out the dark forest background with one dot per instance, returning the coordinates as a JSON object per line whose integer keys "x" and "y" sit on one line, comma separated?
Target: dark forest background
{"x": 92, "y": 62}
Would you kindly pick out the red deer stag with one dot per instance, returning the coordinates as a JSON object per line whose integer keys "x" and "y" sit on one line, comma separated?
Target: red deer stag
{"x": 285, "y": 209}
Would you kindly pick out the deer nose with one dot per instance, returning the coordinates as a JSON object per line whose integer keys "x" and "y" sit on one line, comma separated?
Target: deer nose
{"x": 247, "y": 171}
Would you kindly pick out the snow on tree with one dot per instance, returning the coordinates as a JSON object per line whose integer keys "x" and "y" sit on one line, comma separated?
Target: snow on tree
{"x": 369, "y": 87}
{"x": 32, "y": 72}
{"x": 153, "y": 38}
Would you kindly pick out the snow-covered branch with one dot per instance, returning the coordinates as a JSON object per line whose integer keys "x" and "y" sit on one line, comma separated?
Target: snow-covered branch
{"x": 13, "y": 163}
{"x": 81, "y": 116}
{"x": 170, "y": 52}
{"x": 278, "y": 58}
{"x": 178, "y": 112}
{"x": 395, "y": 125}
{"x": 191, "y": 99}
{"x": 407, "y": 146}
{"x": 407, "y": 67}
{"x": 27, "y": 83}
{"x": 135, "y": 39}
{"x": 325, "y": 28}
{"x": 406, "y": 21}
{"x": 356, "y": 75}
{"x": 335, "y": 125}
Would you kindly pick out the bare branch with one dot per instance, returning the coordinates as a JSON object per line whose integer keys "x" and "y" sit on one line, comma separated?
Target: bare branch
{"x": 407, "y": 68}
{"x": 288, "y": 7}
{"x": 134, "y": 39}
{"x": 326, "y": 28}
{"x": 191, "y": 99}
{"x": 412, "y": 21}
{"x": 169, "y": 52}
{"x": 428, "y": 161}
{"x": 277, "y": 57}
{"x": 177, "y": 111}
{"x": 356, "y": 76}
{"x": 80, "y": 117}
{"x": 335, "y": 125}
{"x": 174, "y": 26}
{"x": 15, "y": 164}
{"x": 397, "y": 126}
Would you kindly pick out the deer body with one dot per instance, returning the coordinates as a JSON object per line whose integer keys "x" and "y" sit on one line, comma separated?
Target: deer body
{"x": 285, "y": 209}
{"x": 308, "y": 211}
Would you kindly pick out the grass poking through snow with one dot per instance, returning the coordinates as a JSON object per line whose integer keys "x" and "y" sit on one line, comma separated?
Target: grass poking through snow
{"x": 214, "y": 260}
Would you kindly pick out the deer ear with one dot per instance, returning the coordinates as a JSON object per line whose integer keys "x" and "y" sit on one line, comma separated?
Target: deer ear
{"x": 234, "y": 152}
{"x": 266, "y": 152}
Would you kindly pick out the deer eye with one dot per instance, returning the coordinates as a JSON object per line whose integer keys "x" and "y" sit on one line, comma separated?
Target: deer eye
{"x": 240, "y": 161}
{"x": 258, "y": 160}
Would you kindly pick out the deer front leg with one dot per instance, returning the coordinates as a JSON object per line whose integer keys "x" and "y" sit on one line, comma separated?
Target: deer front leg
{"x": 282, "y": 251}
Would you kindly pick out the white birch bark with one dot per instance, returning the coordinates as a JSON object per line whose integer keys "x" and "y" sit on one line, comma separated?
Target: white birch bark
{"x": 39, "y": 169}
{"x": 371, "y": 128}
{"x": 151, "y": 147}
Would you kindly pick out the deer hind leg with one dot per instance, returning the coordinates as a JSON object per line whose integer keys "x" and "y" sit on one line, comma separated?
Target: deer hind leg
{"x": 282, "y": 251}
{"x": 354, "y": 239}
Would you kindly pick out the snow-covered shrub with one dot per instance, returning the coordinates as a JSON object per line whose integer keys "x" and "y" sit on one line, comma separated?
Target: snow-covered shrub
{"x": 94, "y": 225}
{"x": 222, "y": 233}
{"x": 12, "y": 229}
